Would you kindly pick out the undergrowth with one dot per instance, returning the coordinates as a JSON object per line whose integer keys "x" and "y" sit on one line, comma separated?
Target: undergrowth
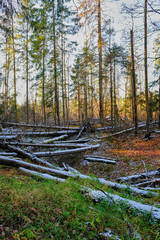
{"x": 33, "y": 209}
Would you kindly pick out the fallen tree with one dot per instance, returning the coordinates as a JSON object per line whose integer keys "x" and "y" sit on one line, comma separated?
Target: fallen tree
{"x": 150, "y": 183}
{"x": 71, "y": 173}
{"x": 134, "y": 190}
{"x": 11, "y": 154}
{"x": 66, "y": 152}
{"x": 121, "y": 132}
{"x": 25, "y": 154}
{"x": 5, "y": 124}
{"x": 45, "y": 134}
{"x": 7, "y": 137}
{"x": 61, "y": 145}
{"x": 55, "y": 139}
{"x": 100, "y": 160}
{"x": 40, "y": 175}
{"x": 18, "y": 163}
{"x": 136, "y": 177}
{"x": 100, "y": 195}
{"x": 115, "y": 199}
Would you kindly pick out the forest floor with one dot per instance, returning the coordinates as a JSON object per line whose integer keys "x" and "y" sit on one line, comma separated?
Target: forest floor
{"x": 33, "y": 209}
{"x": 133, "y": 154}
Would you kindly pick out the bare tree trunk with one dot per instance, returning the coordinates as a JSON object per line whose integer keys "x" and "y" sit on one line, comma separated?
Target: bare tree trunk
{"x": 27, "y": 73}
{"x": 55, "y": 66}
{"x": 159, "y": 105}
{"x": 68, "y": 106}
{"x": 134, "y": 84}
{"x": 146, "y": 70}
{"x": 79, "y": 104}
{"x": 114, "y": 86}
{"x": 111, "y": 92}
{"x": 14, "y": 64}
{"x": 6, "y": 79}
{"x": 63, "y": 88}
{"x": 43, "y": 86}
{"x": 101, "y": 113}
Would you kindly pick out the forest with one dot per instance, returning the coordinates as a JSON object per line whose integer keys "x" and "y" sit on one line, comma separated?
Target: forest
{"x": 80, "y": 119}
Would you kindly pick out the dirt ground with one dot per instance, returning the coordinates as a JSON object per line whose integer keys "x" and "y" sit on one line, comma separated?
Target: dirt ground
{"x": 133, "y": 154}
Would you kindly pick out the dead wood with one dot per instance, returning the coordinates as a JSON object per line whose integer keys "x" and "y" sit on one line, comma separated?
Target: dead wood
{"x": 39, "y": 175}
{"x": 121, "y": 132}
{"x": 137, "y": 177}
{"x": 134, "y": 190}
{"x": 45, "y": 134}
{"x": 5, "y": 124}
{"x": 12, "y": 154}
{"x": 66, "y": 152}
{"x": 100, "y": 160}
{"x": 56, "y": 139}
{"x": 18, "y": 163}
{"x": 80, "y": 132}
{"x": 151, "y": 183}
{"x": 71, "y": 173}
{"x": 7, "y": 137}
{"x": 82, "y": 140}
{"x": 61, "y": 145}
{"x": 101, "y": 157}
{"x": 115, "y": 199}
{"x": 22, "y": 153}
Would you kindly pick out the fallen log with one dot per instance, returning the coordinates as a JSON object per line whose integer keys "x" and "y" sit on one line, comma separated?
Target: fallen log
{"x": 115, "y": 199}
{"x": 18, "y": 163}
{"x": 11, "y": 154}
{"x": 80, "y": 132}
{"x": 66, "y": 152}
{"x": 44, "y": 134}
{"x": 129, "y": 188}
{"x": 121, "y": 132}
{"x": 37, "y": 126}
{"x": 61, "y": 145}
{"x": 7, "y": 137}
{"x": 30, "y": 156}
{"x": 40, "y": 175}
{"x": 55, "y": 139}
{"x": 139, "y": 176}
{"x": 95, "y": 156}
{"x": 100, "y": 160}
{"x": 148, "y": 183}
{"x": 152, "y": 189}
{"x": 76, "y": 141}
{"x": 59, "y": 172}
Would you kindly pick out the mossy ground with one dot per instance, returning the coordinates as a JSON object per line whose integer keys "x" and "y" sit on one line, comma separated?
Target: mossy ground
{"x": 33, "y": 209}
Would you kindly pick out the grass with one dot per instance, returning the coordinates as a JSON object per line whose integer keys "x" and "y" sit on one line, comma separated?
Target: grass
{"x": 33, "y": 209}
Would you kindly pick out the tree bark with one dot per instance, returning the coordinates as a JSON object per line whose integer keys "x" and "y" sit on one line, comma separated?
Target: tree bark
{"x": 134, "y": 84}
{"x": 55, "y": 66}
{"x": 146, "y": 70}
{"x": 66, "y": 152}
{"x": 101, "y": 113}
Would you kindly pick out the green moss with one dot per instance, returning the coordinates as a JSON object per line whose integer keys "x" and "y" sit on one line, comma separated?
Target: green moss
{"x": 34, "y": 209}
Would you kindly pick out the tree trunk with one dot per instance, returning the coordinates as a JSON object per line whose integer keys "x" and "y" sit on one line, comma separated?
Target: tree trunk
{"x": 146, "y": 70}
{"x": 14, "y": 65}
{"x": 27, "y": 72}
{"x": 55, "y": 66}
{"x": 159, "y": 105}
{"x": 101, "y": 114}
{"x": 114, "y": 87}
{"x": 134, "y": 85}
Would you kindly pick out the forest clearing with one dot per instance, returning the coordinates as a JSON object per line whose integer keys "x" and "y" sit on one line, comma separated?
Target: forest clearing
{"x": 85, "y": 188}
{"x": 79, "y": 119}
